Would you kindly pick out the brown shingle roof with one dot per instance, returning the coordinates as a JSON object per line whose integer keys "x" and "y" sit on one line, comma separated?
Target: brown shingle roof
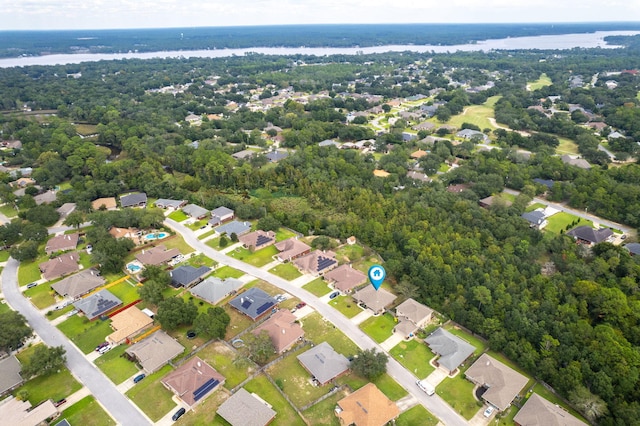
{"x": 62, "y": 243}
{"x": 291, "y": 248}
{"x": 415, "y": 312}
{"x": 282, "y": 329}
{"x": 155, "y": 351}
{"x": 157, "y": 255}
{"x": 376, "y": 300}
{"x": 78, "y": 284}
{"x": 538, "y": 411}
{"x": 245, "y": 409}
{"x": 258, "y": 239}
{"x": 187, "y": 380}
{"x": 59, "y": 266}
{"x": 367, "y": 406}
{"x": 503, "y": 382}
{"x": 317, "y": 262}
{"x": 345, "y": 278}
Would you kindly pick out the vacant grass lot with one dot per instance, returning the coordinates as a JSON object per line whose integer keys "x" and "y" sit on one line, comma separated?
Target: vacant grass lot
{"x": 476, "y": 114}
{"x": 415, "y": 356}
{"x": 87, "y": 412}
{"x": 41, "y": 295}
{"x": 322, "y": 413}
{"x": 347, "y": 253}
{"x": 55, "y": 386}
{"x": 541, "y": 82}
{"x": 533, "y": 206}
{"x": 286, "y": 270}
{"x": 223, "y": 359}
{"x": 286, "y": 414}
{"x": 178, "y": 216}
{"x": 296, "y": 381}
{"x": 115, "y": 366}
{"x": 317, "y": 287}
{"x": 458, "y": 392}
{"x": 318, "y": 330}
{"x": 86, "y": 129}
{"x": 567, "y": 146}
{"x": 346, "y": 305}
{"x": 151, "y": 396}
{"x": 84, "y": 333}
{"x": 559, "y": 222}
{"x": 379, "y": 328}
{"x": 417, "y": 415}
{"x": 257, "y": 258}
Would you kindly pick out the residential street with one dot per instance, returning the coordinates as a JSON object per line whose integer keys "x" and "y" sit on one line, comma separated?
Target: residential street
{"x": 116, "y": 404}
{"x": 407, "y": 380}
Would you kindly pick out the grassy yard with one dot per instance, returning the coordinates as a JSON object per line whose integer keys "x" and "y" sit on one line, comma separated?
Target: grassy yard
{"x": 55, "y": 386}
{"x": 214, "y": 243}
{"x": 8, "y": 210}
{"x": 318, "y": 330}
{"x": 151, "y": 396}
{"x": 414, "y": 356}
{"x": 346, "y": 305}
{"x": 347, "y": 253}
{"x": 179, "y": 243}
{"x": 227, "y": 272}
{"x": 4, "y": 307}
{"x": 86, "y": 129}
{"x": 126, "y": 292}
{"x": 257, "y": 258}
{"x": 506, "y": 417}
{"x": 296, "y": 381}
{"x": 87, "y": 412}
{"x": 567, "y": 146}
{"x": 379, "y": 328}
{"x": 84, "y": 333}
{"x": 201, "y": 304}
{"x": 286, "y": 270}
{"x": 115, "y": 366}
{"x": 197, "y": 224}
{"x": 85, "y": 259}
{"x": 476, "y": 114}
{"x": 322, "y": 413}
{"x": 417, "y": 415}
{"x": 317, "y": 287}
{"x": 29, "y": 271}
{"x": 458, "y": 392}
{"x": 479, "y": 344}
{"x": 238, "y": 322}
{"x": 221, "y": 357}
{"x": 41, "y": 295}
{"x": 286, "y": 414}
{"x": 4, "y": 255}
{"x": 559, "y": 222}
{"x": 201, "y": 260}
{"x": 385, "y": 383}
{"x": 541, "y": 82}
{"x": 283, "y": 234}
{"x": 207, "y": 234}
{"x": 205, "y": 412}
{"x": 533, "y": 206}
{"x": 178, "y": 216}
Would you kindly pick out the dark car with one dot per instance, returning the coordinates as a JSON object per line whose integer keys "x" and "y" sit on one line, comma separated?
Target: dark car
{"x": 178, "y": 414}
{"x": 32, "y": 285}
{"x": 59, "y": 402}
{"x": 139, "y": 377}
{"x": 191, "y": 334}
{"x": 301, "y": 305}
{"x": 334, "y": 295}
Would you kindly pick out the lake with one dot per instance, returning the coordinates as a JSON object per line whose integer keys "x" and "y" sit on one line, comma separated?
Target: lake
{"x": 543, "y": 42}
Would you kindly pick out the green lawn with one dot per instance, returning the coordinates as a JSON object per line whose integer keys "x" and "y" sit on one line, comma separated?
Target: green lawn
{"x": 257, "y": 258}
{"x": 283, "y": 234}
{"x": 286, "y": 270}
{"x": 8, "y": 210}
{"x": 317, "y": 287}
{"x": 318, "y": 330}
{"x": 55, "y": 386}
{"x": 115, "y": 366}
{"x": 533, "y": 206}
{"x": 414, "y": 356}
{"x": 458, "y": 392}
{"x": 476, "y": 114}
{"x": 85, "y": 259}
{"x": 4, "y": 307}
{"x": 227, "y": 272}
{"x": 151, "y": 396}
{"x": 296, "y": 381}
{"x": 178, "y": 216}
{"x": 286, "y": 414}
{"x": 417, "y": 415}
{"x": 201, "y": 260}
{"x": 560, "y": 221}
{"x": 214, "y": 243}
{"x": 87, "y": 412}
{"x": 179, "y": 243}
{"x": 126, "y": 292}
{"x": 197, "y": 224}
{"x": 541, "y": 82}
{"x": 379, "y": 328}
{"x": 84, "y": 333}
{"x": 4, "y": 255}
{"x": 346, "y": 305}
{"x": 207, "y": 234}
{"x": 347, "y": 253}
{"x": 221, "y": 357}
{"x": 41, "y": 295}
{"x": 385, "y": 383}
{"x": 205, "y": 412}
{"x": 567, "y": 146}
{"x": 238, "y": 324}
{"x": 323, "y": 412}
{"x": 201, "y": 304}
{"x": 505, "y": 418}
{"x": 479, "y": 344}
{"x": 29, "y": 271}
{"x": 86, "y": 129}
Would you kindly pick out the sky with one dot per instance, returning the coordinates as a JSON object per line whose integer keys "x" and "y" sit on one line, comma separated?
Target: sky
{"x": 105, "y": 14}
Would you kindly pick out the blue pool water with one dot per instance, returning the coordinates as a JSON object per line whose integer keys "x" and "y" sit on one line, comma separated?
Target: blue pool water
{"x": 159, "y": 236}
{"x": 133, "y": 267}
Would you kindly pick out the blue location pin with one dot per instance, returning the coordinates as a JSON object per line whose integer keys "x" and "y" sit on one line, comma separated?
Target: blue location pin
{"x": 377, "y": 274}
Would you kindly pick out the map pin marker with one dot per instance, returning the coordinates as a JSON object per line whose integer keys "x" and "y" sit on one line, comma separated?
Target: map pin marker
{"x": 377, "y": 274}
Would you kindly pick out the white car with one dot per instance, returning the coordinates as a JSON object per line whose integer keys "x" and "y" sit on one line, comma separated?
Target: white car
{"x": 104, "y": 349}
{"x": 426, "y": 387}
{"x": 488, "y": 412}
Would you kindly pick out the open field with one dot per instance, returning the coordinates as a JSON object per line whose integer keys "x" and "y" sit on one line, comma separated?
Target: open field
{"x": 476, "y": 114}
{"x": 541, "y": 82}
{"x": 86, "y": 129}
{"x": 178, "y": 216}
{"x": 87, "y": 412}
{"x": 227, "y": 272}
{"x": 41, "y": 295}
{"x": 179, "y": 243}
{"x": 223, "y": 359}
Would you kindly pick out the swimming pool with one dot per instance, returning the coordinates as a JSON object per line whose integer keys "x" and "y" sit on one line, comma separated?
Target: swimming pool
{"x": 132, "y": 267}
{"x": 154, "y": 236}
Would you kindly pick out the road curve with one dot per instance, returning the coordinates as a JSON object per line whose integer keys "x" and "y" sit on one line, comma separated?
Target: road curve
{"x": 118, "y": 406}
{"x": 433, "y": 403}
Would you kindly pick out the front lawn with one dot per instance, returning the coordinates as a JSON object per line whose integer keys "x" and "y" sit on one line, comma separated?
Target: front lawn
{"x": 115, "y": 366}
{"x": 385, "y": 383}
{"x": 55, "y": 386}
{"x": 197, "y": 224}
{"x": 346, "y": 305}
{"x": 286, "y": 414}
{"x": 379, "y": 328}
{"x": 8, "y": 210}
{"x": 534, "y": 206}
{"x": 458, "y": 392}
{"x": 562, "y": 222}
{"x": 323, "y": 412}
{"x": 223, "y": 359}
{"x": 178, "y": 216}
{"x": 84, "y": 333}
{"x": 41, "y": 295}
{"x": 29, "y": 272}
{"x": 177, "y": 242}
{"x": 257, "y": 258}
{"x": 317, "y": 287}
{"x": 87, "y": 412}
{"x": 286, "y": 270}
{"x": 318, "y": 330}
{"x": 417, "y": 415}
{"x": 227, "y": 272}
{"x": 414, "y": 356}
{"x": 201, "y": 260}
{"x": 4, "y": 255}
{"x": 207, "y": 234}
{"x": 151, "y": 396}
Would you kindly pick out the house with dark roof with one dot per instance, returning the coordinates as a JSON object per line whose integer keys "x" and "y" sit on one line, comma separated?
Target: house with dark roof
{"x": 254, "y": 303}
{"x": 539, "y": 411}
{"x": 316, "y": 263}
{"x": 546, "y": 182}
{"x": 577, "y": 162}
{"x": 153, "y": 352}
{"x": 195, "y": 211}
{"x": 187, "y": 275}
{"x": 234, "y": 227}
{"x": 411, "y": 316}
{"x": 135, "y": 199}
{"x": 452, "y": 351}
{"x": 221, "y": 215}
{"x": 79, "y": 284}
{"x": 10, "y": 377}
{"x": 587, "y": 235}
{"x": 283, "y": 329}
{"x": 275, "y": 156}
{"x": 193, "y": 381}
{"x": 246, "y": 409}
{"x": 46, "y": 197}
{"x": 502, "y": 382}
{"x": 97, "y": 304}
{"x": 634, "y": 248}
{"x": 60, "y": 266}
{"x": 214, "y": 289}
{"x": 367, "y": 406}
{"x": 65, "y": 209}
{"x": 324, "y": 363}
{"x": 376, "y": 300}
{"x": 64, "y": 242}
{"x": 165, "y": 203}
{"x": 258, "y": 239}
{"x": 345, "y": 278}
{"x": 157, "y": 255}
{"x": 290, "y": 249}
{"x": 536, "y": 219}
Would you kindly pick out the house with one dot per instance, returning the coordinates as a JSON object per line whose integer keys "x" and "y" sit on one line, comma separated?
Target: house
{"x": 546, "y": 182}
{"x": 634, "y": 248}
{"x": 539, "y": 411}
{"x": 221, "y": 215}
{"x": 64, "y": 242}
{"x": 329, "y": 142}
{"x": 577, "y": 162}
{"x": 411, "y": 316}
{"x": 258, "y": 239}
{"x": 214, "y": 289}
{"x": 157, "y": 255}
{"x": 234, "y": 227}
{"x": 135, "y": 199}
{"x": 193, "y": 381}
{"x": 502, "y": 382}
{"x": 381, "y": 173}
{"x": 165, "y": 203}
{"x": 275, "y": 156}
{"x": 46, "y": 197}
{"x": 128, "y": 323}
{"x": 290, "y": 249}
{"x": 254, "y": 303}
{"x": 536, "y": 219}
{"x": 452, "y": 351}
{"x": 412, "y": 174}
{"x": 424, "y": 126}
{"x": 193, "y": 120}
{"x": 97, "y": 304}
{"x": 154, "y": 351}
{"x": 108, "y": 203}
{"x": 324, "y": 363}
{"x": 79, "y": 284}
{"x": 367, "y": 406}
{"x": 187, "y": 275}
{"x": 22, "y": 182}
{"x": 246, "y": 409}
{"x": 59, "y": 266}
{"x": 244, "y": 154}
{"x": 131, "y": 233}
{"x": 283, "y": 329}
{"x": 458, "y": 187}
{"x": 195, "y": 211}
{"x": 65, "y": 209}
{"x": 10, "y": 377}
{"x": 491, "y": 200}
{"x": 418, "y": 154}
{"x": 473, "y": 135}
{"x": 376, "y": 300}
{"x": 316, "y": 263}
{"x": 345, "y": 278}
{"x": 587, "y": 235}
{"x": 20, "y": 413}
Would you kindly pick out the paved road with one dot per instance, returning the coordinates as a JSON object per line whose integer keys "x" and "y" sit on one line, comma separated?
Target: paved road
{"x": 120, "y": 408}
{"x": 407, "y": 380}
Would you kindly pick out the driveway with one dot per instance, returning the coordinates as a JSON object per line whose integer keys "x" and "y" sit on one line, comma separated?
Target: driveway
{"x": 434, "y": 403}
{"x": 392, "y": 341}
{"x": 116, "y": 404}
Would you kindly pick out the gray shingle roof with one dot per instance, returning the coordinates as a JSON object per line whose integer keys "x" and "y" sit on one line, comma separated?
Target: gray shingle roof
{"x": 97, "y": 304}
{"x": 155, "y": 351}
{"x": 187, "y": 274}
{"x": 539, "y": 411}
{"x": 453, "y": 350}
{"x": 535, "y": 217}
{"x": 195, "y": 210}
{"x": 234, "y": 227}
{"x": 166, "y": 203}
{"x": 133, "y": 199}
{"x": 323, "y": 362}
{"x": 253, "y": 302}
{"x": 214, "y": 289}
{"x": 587, "y": 233}
{"x": 244, "y": 409}
{"x": 634, "y": 248}
{"x": 503, "y": 382}
{"x": 9, "y": 373}
{"x": 78, "y": 284}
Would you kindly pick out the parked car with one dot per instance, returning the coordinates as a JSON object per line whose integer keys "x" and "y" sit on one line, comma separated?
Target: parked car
{"x": 334, "y": 295}
{"x": 178, "y": 414}
{"x": 139, "y": 377}
{"x": 59, "y": 402}
{"x": 32, "y": 285}
{"x": 72, "y": 313}
{"x": 102, "y": 345}
{"x": 301, "y": 305}
{"x": 104, "y": 349}
{"x": 488, "y": 411}
{"x": 426, "y": 387}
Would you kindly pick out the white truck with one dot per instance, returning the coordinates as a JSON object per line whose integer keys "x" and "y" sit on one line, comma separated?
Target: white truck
{"x": 426, "y": 387}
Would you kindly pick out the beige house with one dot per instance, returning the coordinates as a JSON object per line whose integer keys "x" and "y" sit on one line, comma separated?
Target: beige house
{"x": 367, "y": 406}
{"x": 502, "y": 382}
{"x": 539, "y": 411}
{"x": 283, "y": 330}
{"x": 127, "y": 324}
{"x": 376, "y": 300}
{"x": 411, "y": 316}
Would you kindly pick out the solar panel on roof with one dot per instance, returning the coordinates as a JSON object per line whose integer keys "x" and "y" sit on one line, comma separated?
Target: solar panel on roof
{"x": 246, "y": 303}
{"x": 205, "y": 389}
{"x": 263, "y": 239}
{"x": 264, "y": 307}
